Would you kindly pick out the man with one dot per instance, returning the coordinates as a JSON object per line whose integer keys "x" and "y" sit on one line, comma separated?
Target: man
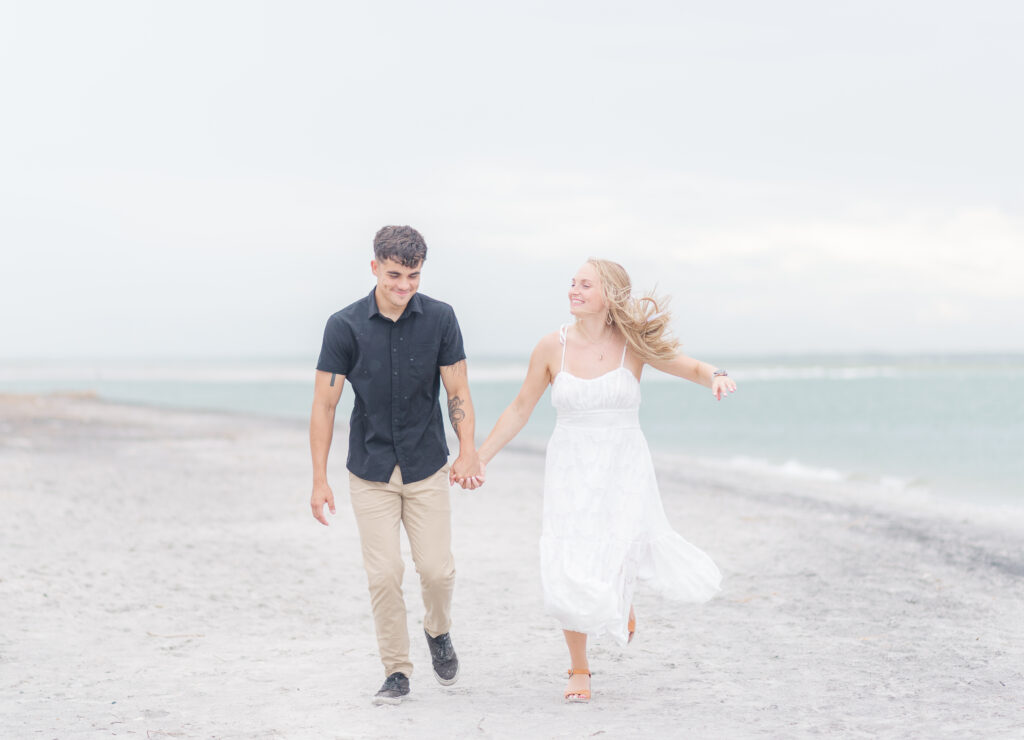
{"x": 392, "y": 347}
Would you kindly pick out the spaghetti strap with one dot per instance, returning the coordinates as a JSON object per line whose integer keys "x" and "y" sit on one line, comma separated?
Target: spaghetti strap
{"x": 561, "y": 338}
{"x": 622, "y": 362}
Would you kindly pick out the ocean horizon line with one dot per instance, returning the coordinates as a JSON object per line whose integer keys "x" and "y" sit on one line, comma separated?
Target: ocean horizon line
{"x": 781, "y": 356}
{"x": 491, "y": 368}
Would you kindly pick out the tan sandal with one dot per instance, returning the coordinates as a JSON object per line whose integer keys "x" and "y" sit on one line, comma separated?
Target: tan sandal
{"x": 580, "y": 697}
{"x": 631, "y": 626}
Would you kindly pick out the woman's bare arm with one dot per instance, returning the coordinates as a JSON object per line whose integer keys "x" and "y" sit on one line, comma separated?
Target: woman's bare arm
{"x": 698, "y": 372}
{"x": 513, "y": 419}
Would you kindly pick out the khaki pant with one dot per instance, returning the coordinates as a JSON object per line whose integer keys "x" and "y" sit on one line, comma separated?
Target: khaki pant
{"x": 424, "y": 508}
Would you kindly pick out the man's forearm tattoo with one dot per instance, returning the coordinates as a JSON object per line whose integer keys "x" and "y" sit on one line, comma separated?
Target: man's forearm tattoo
{"x": 455, "y": 412}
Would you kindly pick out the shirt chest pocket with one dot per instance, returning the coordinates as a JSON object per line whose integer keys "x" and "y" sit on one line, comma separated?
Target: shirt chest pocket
{"x": 422, "y": 360}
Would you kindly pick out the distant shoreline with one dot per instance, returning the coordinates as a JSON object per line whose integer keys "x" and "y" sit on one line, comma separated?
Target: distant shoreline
{"x": 910, "y": 426}
{"x": 821, "y": 484}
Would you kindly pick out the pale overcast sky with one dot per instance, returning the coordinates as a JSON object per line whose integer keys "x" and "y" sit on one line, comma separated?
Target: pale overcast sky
{"x": 205, "y": 178}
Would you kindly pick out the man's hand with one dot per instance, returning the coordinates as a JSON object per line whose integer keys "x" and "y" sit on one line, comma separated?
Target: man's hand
{"x": 322, "y": 494}
{"x": 468, "y": 471}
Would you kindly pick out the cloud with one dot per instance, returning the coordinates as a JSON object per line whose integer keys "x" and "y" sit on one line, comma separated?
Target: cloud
{"x": 769, "y": 266}
{"x": 970, "y": 252}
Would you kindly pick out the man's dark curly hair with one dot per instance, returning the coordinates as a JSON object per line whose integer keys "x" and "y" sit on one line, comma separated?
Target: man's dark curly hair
{"x": 401, "y": 244}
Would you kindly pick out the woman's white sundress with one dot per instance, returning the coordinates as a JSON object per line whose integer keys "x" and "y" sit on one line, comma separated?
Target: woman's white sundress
{"x": 604, "y": 526}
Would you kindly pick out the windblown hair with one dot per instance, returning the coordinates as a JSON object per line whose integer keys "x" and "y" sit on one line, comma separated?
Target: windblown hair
{"x": 643, "y": 321}
{"x": 402, "y": 244}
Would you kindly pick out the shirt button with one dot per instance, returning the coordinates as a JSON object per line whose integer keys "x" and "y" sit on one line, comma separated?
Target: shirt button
{"x": 395, "y": 348}
{"x": 396, "y": 372}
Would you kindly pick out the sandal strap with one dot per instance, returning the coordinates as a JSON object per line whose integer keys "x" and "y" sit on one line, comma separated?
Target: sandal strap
{"x": 578, "y": 672}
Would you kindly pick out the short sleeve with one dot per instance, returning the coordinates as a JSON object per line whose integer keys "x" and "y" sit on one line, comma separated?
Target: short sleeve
{"x": 337, "y": 350}
{"x": 452, "y": 350}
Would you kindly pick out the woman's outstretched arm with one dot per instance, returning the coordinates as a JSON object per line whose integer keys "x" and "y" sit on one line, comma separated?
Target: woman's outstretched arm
{"x": 514, "y": 418}
{"x": 697, "y": 372}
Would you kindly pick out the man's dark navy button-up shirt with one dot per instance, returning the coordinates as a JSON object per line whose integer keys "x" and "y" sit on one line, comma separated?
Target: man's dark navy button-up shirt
{"x": 393, "y": 368}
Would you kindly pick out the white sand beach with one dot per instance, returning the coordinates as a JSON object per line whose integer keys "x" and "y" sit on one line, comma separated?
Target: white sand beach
{"x": 161, "y": 576}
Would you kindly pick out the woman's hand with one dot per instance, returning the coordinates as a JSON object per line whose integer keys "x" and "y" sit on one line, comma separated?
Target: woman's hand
{"x": 722, "y": 386}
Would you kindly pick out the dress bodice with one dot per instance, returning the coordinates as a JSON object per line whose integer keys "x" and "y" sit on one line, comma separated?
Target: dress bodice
{"x": 609, "y": 400}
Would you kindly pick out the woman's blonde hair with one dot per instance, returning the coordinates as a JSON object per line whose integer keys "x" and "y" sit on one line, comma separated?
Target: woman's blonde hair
{"x": 643, "y": 321}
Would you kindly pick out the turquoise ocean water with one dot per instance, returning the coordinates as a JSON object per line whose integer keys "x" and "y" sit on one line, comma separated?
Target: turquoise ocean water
{"x": 948, "y": 427}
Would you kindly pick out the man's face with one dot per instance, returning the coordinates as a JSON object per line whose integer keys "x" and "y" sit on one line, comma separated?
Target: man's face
{"x": 396, "y": 283}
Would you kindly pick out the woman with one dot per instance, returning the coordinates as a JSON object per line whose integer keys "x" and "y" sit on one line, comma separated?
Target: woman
{"x": 604, "y": 526}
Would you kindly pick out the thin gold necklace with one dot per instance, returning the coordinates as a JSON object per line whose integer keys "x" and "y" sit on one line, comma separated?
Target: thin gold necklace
{"x": 600, "y": 354}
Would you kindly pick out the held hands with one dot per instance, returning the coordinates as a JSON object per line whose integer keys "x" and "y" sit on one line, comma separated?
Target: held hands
{"x": 722, "y": 386}
{"x": 322, "y": 494}
{"x": 468, "y": 471}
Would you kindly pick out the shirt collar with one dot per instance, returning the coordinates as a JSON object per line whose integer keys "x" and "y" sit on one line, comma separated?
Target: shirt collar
{"x": 415, "y": 305}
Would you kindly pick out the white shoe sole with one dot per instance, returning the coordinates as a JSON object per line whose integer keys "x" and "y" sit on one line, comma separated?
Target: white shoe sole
{"x": 450, "y": 681}
{"x": 387, "y": 700}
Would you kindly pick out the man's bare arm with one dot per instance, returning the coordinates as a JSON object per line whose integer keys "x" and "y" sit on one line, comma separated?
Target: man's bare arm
{"x": 463, "y": 419}
{"x": 326, "y": 392}
{"x": 456, "y": 414}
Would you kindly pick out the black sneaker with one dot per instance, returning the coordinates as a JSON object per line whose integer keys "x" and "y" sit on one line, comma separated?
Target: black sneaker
{"x": 395, "y": 688}
{"x": 446, "y": 662}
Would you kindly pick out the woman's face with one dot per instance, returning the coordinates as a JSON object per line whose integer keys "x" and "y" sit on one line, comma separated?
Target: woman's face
{"x": 586, "y": 296}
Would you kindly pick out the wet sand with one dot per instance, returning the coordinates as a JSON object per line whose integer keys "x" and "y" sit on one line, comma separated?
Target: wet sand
{"x": 161, "y": 576}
